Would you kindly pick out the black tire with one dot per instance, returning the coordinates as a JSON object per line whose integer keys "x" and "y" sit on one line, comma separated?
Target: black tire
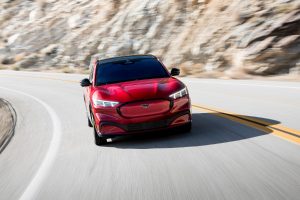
{"x": 90, "y": 123}
{"x": 99, "y": 140}
{"x": 187, "y": 127}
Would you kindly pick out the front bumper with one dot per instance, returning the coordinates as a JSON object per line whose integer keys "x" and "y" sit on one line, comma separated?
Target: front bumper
{"x": 109, "y": 121}
{"x": 107, "y": 128}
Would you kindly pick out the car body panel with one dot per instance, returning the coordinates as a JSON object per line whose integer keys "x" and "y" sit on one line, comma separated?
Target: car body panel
{"x": 137, "y": 90}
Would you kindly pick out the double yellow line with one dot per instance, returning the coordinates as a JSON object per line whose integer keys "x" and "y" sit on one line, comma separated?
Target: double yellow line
{"x": 267, "y": 127}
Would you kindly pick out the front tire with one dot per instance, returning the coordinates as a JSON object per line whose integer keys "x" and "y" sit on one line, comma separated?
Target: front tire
{"x": 98, "y": 139}
{"x": 89, "y": 122}
{"x": 187, "y": 127}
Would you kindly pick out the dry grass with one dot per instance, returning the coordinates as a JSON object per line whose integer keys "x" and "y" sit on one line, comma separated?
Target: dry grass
{"x": 10, "y": 67}
{"x": 16, "y": 68}
{"x": 67, "y": 70}
{"x": 2, "y": 67}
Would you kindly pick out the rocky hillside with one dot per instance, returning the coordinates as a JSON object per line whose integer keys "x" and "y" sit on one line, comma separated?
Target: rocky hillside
{"x": 228, "y": 37}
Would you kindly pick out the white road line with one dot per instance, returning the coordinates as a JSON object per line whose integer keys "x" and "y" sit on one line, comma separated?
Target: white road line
{"x": 34, "y": 186}
{"x": 241, "y": 84}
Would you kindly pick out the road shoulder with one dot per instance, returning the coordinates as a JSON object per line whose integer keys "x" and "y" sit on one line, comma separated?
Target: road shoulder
{"x": 7, "y": 123}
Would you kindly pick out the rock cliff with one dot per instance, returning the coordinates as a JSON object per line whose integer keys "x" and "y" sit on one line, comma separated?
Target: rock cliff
{"x": 227, "y": 37}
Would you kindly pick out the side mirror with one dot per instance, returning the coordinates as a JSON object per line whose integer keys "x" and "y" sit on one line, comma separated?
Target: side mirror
{"x": 175, "y": 72}
{"x": 85, "y": 82}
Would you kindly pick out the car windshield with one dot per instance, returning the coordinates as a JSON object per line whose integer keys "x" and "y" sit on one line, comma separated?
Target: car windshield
{"x": 129, "y": 70}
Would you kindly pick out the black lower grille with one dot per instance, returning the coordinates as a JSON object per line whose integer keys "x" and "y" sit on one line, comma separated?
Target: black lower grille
{"x": 147, "y": 125}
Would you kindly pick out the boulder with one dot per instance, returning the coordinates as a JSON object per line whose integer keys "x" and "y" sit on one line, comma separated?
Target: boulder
{"x": 75, "y": 21}
{"x": 50, "y": 50}
{"x": 7, "y": 60}
{"x": 28, "y": 62}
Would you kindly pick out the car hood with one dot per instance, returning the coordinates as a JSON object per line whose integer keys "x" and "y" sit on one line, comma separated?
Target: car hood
{"x": 138, "y": 90}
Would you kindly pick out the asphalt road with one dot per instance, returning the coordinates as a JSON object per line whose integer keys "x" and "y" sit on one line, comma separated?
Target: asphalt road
{"x": 52, "y": 153}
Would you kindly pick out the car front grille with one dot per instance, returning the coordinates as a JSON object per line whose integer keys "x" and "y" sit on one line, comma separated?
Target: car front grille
{"x": 147, "y": 125}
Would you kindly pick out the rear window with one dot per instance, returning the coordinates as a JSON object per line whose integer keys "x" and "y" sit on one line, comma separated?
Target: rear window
{"x": 129, "y": 70}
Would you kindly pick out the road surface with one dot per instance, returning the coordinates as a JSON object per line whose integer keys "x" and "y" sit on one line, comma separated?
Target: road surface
{"x": 52, "y": 153}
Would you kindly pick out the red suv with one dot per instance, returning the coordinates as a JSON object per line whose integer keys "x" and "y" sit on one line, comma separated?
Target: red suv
{"x": 134, "y": 94}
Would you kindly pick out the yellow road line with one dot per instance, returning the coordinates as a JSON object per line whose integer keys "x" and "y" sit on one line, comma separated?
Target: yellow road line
{"x": 258, "y": 121}
{"x": 278, "y": 130}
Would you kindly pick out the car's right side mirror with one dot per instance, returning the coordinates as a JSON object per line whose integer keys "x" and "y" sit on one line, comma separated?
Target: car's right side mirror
{"x": 85, "y": 82}
{"x": 175, "y": 72}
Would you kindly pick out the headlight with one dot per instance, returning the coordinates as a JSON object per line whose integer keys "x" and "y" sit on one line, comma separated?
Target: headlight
{"x": 179, "y": 94}
{"x": 102, "y": 103}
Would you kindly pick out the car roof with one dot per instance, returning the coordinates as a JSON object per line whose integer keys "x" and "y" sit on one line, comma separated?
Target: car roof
{"x": 119, "y": 58}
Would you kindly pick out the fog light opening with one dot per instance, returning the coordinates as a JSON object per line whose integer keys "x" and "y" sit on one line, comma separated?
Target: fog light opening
{"x": 181, "y": 120}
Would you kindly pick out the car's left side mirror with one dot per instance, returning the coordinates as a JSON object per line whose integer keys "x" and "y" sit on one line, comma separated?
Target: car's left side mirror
{"x": 85, "y": 82}
{"x": 175, "y": 72}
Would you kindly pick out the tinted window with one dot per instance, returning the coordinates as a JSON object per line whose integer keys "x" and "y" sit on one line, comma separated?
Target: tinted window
{"x": 129, "y": 70}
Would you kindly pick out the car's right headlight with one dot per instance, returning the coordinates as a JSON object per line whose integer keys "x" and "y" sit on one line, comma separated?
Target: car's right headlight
{"x": 102, "y": 103}
{"x": 179, "y": 94}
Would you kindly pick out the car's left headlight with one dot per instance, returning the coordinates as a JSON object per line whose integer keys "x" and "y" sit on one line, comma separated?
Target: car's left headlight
{"x": 179, "y": 94}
